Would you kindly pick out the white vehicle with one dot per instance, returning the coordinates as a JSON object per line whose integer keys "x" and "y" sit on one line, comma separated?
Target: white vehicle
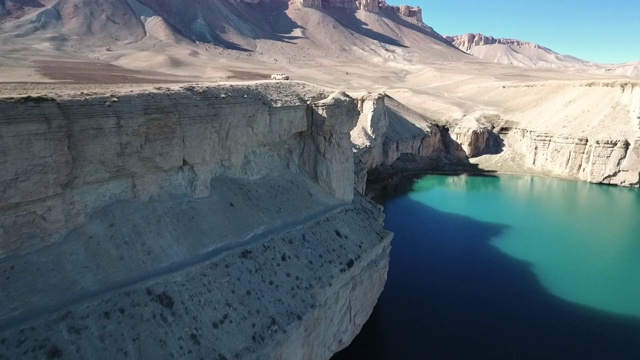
{"x": 279, "y": 76}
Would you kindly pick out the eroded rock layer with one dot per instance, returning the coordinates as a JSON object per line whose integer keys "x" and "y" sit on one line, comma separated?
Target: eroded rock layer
{"x": 373, "y": 6}
{"x": 214, "y": 222}
{"x": 390, "y": 138}
{"x": 609, "y": 161}
{"x": 586, "y": 131}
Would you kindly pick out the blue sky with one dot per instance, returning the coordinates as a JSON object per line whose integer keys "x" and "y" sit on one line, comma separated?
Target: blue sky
{"x": 605, "y": 31}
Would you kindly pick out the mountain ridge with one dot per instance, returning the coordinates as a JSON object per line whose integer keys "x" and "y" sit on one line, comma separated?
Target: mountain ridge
{"x": 514, "y": 52}
{"x": 231, "y": 24}
{"x": 184, "y": 38}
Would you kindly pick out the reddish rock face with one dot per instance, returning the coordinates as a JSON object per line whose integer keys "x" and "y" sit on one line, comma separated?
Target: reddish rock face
{"x": 373, "y": 6}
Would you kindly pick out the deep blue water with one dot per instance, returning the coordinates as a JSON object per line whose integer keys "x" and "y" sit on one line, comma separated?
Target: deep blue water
{"x": 508, "y": 267}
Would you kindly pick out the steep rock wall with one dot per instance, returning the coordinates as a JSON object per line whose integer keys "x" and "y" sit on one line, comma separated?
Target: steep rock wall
{"x": 373, "y": 6}
{"x": 606, "y": 161}
{"x": 388, "y": 131}
{"x": 476, "y": 136}
{"x": 609, "y": 161}
{"x": 583, "y": 130}
{"x": 64, "y": 159}
{"x": 467, "y": 42}
{"x": 200, "y": 221}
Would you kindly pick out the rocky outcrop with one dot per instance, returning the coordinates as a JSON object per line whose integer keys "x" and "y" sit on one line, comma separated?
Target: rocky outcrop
{"x": 216, "y": 222}
{"x": 609, "y": 161}
{"x": 467, "y": 42}
{"x": 408, "y": 11}
{"x": 16, "y": 8}
{"x": 141, "y": 145}
{"x": 373, "y": 6}
{"x": 579, "y": 130}
{"x": 327, "y": 156}
{"x": 516, "y": 52}
{"x": 477, "y": 137}
{"x": 606, "y": 160}
{"x": 369, "y": 5}
{"x": 315, "y": 4}
{"x": 390, "y": 137}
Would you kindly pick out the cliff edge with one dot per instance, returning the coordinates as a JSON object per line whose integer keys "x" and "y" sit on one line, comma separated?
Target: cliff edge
{"x": 215, "y": 222}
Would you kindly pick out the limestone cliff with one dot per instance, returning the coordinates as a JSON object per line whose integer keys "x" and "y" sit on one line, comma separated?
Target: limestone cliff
{"x": 215, "y": 222}
{"x": 477, "y": 136}
{"x": 390, "y": 135}
{"x": 391, "y": 138}
{"x": 518, "y": 150}
{"x": 468, "y": 42}
{"x": 515, "y": 52}
{"x": 586, "y": 131}
{"x": 608, "y": 161}
{"x": 373, "y": 6}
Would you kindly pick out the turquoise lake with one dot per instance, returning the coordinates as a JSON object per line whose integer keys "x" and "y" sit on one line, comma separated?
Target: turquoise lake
{"x": 508, "y": 267}
{"x": 582, "y": 240}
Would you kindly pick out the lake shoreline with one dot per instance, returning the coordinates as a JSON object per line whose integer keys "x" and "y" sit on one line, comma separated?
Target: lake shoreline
{"x": 524, "y": 266}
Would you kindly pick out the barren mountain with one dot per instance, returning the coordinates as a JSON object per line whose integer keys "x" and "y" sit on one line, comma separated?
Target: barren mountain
{"x": 514, "y": 52}
{"x": 216, "y": 40}
{"x": 361, "y": 27}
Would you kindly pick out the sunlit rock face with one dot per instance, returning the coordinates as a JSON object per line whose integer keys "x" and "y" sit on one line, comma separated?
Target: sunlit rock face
{"x": 373, "y": 6}
{"x": 211, "y": 221}
{"x": 387, "y": 132}
{"x": 467, "y": 42}
{"x": 410, "y": 11}
{"x": 610, "y": 161}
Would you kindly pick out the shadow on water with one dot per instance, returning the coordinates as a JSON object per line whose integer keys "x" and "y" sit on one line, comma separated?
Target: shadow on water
{"x": 450, "y": 294}
{"x": 402, "y": 184}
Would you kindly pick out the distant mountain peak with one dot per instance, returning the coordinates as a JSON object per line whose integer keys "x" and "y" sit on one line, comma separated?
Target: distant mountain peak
{"x": 467, "y": 42}
{"x": 514, "y": 52}
{"x": 373, "y": 6}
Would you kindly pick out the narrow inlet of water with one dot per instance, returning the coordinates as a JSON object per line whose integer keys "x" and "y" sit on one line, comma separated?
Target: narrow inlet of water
{"x": 508, "y": 267}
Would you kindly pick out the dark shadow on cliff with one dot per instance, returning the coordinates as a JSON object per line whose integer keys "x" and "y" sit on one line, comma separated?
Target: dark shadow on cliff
{"x": 423, "y": 29}
{"x": 280, "y": 24}
{"x": 450, "y": 294}
{"x": 440, "y": 154}
{"x": 232, "y": 25}
{"x": 493, "y": 145}
{"x": 348, "y": 19}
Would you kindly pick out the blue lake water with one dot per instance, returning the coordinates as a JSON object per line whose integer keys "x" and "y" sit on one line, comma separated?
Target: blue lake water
{"x": 509, "y": 267}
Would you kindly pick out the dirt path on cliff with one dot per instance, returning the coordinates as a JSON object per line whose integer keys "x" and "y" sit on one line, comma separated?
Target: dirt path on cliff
{"x": 256, "y": 237}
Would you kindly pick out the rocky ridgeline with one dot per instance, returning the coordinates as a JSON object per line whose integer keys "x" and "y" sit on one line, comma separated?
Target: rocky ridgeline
{"x": 141, "y": 145}
{"x": 392, "y": 137}
{"x": 214, "y": 222}
{"x": 373, "y": 6}
{"x": 607, "y": 161}
{"x": 467, "y": 42}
